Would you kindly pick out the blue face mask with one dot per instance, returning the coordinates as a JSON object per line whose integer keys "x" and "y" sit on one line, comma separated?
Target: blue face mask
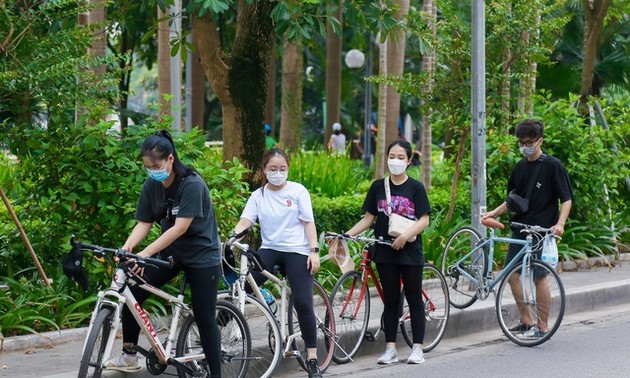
{"x": 158, "y": 175}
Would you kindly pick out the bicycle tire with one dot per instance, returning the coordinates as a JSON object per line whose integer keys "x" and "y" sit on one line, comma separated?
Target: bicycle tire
{"x": 264, "y": 334}
{"x": 351, "y": 305}
{"x": 462, "y": 290}
{"x": 508, "y": 314}
{"x": 235, "y": 343}
{"x": 96, "y": 342}
{"x": 436, "y": 309}
{"x": 325, "y": 329}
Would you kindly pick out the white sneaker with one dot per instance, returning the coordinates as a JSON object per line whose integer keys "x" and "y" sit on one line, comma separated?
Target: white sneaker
{"x": 389, "y": 356}
{"x": 416, "y": 356}
{"x": 124, "y": 362}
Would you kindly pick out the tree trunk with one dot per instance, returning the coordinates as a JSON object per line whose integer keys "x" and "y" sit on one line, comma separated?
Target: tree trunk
{"x": 333, "y": 71}
{"x": 428, "y": 65}
{"x": 395, "y": 67}
{"x": 593, "y": 23}
{"x": 164, "y": 64}
{"x": 270, "y": 102}
{"x": 198, "y": 92}
{"x": 97, "y": 16}
{"x": 506, "y": 73}
{"x": 240, "y": 80}
{"x": 529, "y": 78}
{"x": 291, "y": 115}
{"x": 379, "y": 154}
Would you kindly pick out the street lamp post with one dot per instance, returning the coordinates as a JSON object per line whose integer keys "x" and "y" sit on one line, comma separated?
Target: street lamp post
{"x": 355, "y": 59}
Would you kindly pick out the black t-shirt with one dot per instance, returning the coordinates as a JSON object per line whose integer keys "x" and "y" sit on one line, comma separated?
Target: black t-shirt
{"x": 409, "y": 200}
{"x": 552, "y": 184}
{"x": 187, "y": 197}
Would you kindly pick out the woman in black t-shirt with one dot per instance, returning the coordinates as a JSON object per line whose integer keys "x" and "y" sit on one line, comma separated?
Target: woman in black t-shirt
{"x": 403, "y": 260}
{"x": 175, "y": 197}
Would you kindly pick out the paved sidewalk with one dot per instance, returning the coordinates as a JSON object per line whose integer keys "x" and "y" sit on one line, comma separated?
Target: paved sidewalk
{"x": 57, "y": 354}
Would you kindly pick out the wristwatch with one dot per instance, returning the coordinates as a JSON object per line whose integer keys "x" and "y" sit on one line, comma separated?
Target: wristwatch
{"x": 315, "y": 250}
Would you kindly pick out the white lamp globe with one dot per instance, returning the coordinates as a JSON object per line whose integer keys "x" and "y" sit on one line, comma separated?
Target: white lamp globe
{"x": 355, "y": 58}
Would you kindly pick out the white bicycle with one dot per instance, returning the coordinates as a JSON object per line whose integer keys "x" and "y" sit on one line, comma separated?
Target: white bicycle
{"x": 184, "y": 352}
{"x": 275, "y": 334}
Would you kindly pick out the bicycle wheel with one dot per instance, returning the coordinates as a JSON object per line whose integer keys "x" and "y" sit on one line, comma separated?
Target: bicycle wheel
{"x": 436, "y": 309}
{"x": 96, "y": 343}
{"x": 325, "y": 329}
{"x": 351, "y": 305}
{"x": 235, "y": 342}
{"x": 264, "y": 334}
{"x": 538, "y": 280}
{"x": 462, "y": 290}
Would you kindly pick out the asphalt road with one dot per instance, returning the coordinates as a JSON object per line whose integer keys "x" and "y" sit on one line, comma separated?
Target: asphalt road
{"x": 588, "y": 344}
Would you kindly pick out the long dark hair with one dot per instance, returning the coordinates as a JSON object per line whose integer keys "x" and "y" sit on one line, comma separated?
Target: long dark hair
{"x": 158, "y": 146}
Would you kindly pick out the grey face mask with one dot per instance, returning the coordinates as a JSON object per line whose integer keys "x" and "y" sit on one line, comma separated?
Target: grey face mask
{"x": 528, "y": 151}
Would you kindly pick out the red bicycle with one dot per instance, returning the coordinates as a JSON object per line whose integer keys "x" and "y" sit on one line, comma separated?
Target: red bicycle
{"x": 350, "y": 299}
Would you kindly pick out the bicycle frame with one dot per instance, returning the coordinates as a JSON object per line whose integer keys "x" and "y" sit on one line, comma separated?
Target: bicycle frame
{"x": 485, "y": 284}
{"x": 366, "y": 270}
{"x": 238, "y": 291}
{"x": 116, "y": 299}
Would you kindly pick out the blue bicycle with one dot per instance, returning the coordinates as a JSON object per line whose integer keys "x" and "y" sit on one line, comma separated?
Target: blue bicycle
{"x": 530, "y": 299}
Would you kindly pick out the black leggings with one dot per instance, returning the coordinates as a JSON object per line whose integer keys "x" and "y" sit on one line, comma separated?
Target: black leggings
{"x": 301, "y": 281}
{"x": 204, "y": 284}
{"x": 390, "y": 276}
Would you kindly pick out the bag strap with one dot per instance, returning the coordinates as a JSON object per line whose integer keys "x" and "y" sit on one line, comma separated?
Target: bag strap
{"x": 388, "y": 197}
{"x": 535, "y": 176}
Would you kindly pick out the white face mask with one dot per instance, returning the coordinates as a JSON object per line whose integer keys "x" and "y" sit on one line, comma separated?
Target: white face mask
{"x": 396, "y": 167}
{"x": 277, "y": 178}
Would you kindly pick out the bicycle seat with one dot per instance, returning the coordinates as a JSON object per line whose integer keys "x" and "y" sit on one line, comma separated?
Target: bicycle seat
{"x": 492, "y": 223}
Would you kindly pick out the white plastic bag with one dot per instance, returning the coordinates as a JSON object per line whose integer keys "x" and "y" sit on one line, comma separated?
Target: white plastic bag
{"x": 550, "y": 251}
{"x": 340, "y": 254}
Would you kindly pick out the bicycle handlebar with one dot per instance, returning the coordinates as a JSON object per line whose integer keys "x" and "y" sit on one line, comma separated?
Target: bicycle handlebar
{"x": 528, "y": 228}
{"x": 122, "y": 254}
{"x": 365, "y": 239}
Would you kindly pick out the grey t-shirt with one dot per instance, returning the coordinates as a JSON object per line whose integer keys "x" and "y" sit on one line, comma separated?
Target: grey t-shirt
{"x": 187, "y": 197}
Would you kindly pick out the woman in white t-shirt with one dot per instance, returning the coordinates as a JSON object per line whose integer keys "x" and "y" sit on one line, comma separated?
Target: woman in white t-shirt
{"x": 289, "y": 238}
{"x": 337, "y": 142}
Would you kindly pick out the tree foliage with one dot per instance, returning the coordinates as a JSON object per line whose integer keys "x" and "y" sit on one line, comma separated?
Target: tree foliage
{"x": 45, "y": 68}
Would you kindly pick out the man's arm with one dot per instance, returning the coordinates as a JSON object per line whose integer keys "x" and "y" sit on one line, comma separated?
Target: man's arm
{"x": 565, "y": 209}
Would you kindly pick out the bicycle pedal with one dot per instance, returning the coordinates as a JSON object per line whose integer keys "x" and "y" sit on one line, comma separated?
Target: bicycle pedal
{"x": 200, "y": 373}
{"x": 292, "y": 354}
{"x": 369, "y": 336}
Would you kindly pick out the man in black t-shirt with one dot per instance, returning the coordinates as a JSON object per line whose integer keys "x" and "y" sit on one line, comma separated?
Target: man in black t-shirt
{"x": 551, "y": 186}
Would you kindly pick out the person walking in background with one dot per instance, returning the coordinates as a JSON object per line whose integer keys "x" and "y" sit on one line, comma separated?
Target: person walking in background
{"x": 289, "y": 238}
{"x": 403, "y": 259}
{"x": 337, "y": 142}
{"x": 550, "y": 185}
{"x": 269, "y": 141}
{"x": 177, "y": 198}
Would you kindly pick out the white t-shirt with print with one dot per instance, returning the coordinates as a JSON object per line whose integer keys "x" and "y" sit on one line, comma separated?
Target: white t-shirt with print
{"x": 281, "y": 215}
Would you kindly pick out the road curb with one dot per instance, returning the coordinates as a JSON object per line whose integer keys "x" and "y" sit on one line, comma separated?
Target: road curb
{"x": 43, "y": 340}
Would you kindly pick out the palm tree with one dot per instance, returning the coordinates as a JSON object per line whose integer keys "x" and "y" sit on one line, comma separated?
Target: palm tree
{"x": 333, "y": 67}
{"x": 395, "y": 60}
{"x": 291, "y": 115}
{"x": 428, "y": 65}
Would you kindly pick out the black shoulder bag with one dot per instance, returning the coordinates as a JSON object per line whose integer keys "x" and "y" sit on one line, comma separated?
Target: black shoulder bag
{"x": 517, "y": 204}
